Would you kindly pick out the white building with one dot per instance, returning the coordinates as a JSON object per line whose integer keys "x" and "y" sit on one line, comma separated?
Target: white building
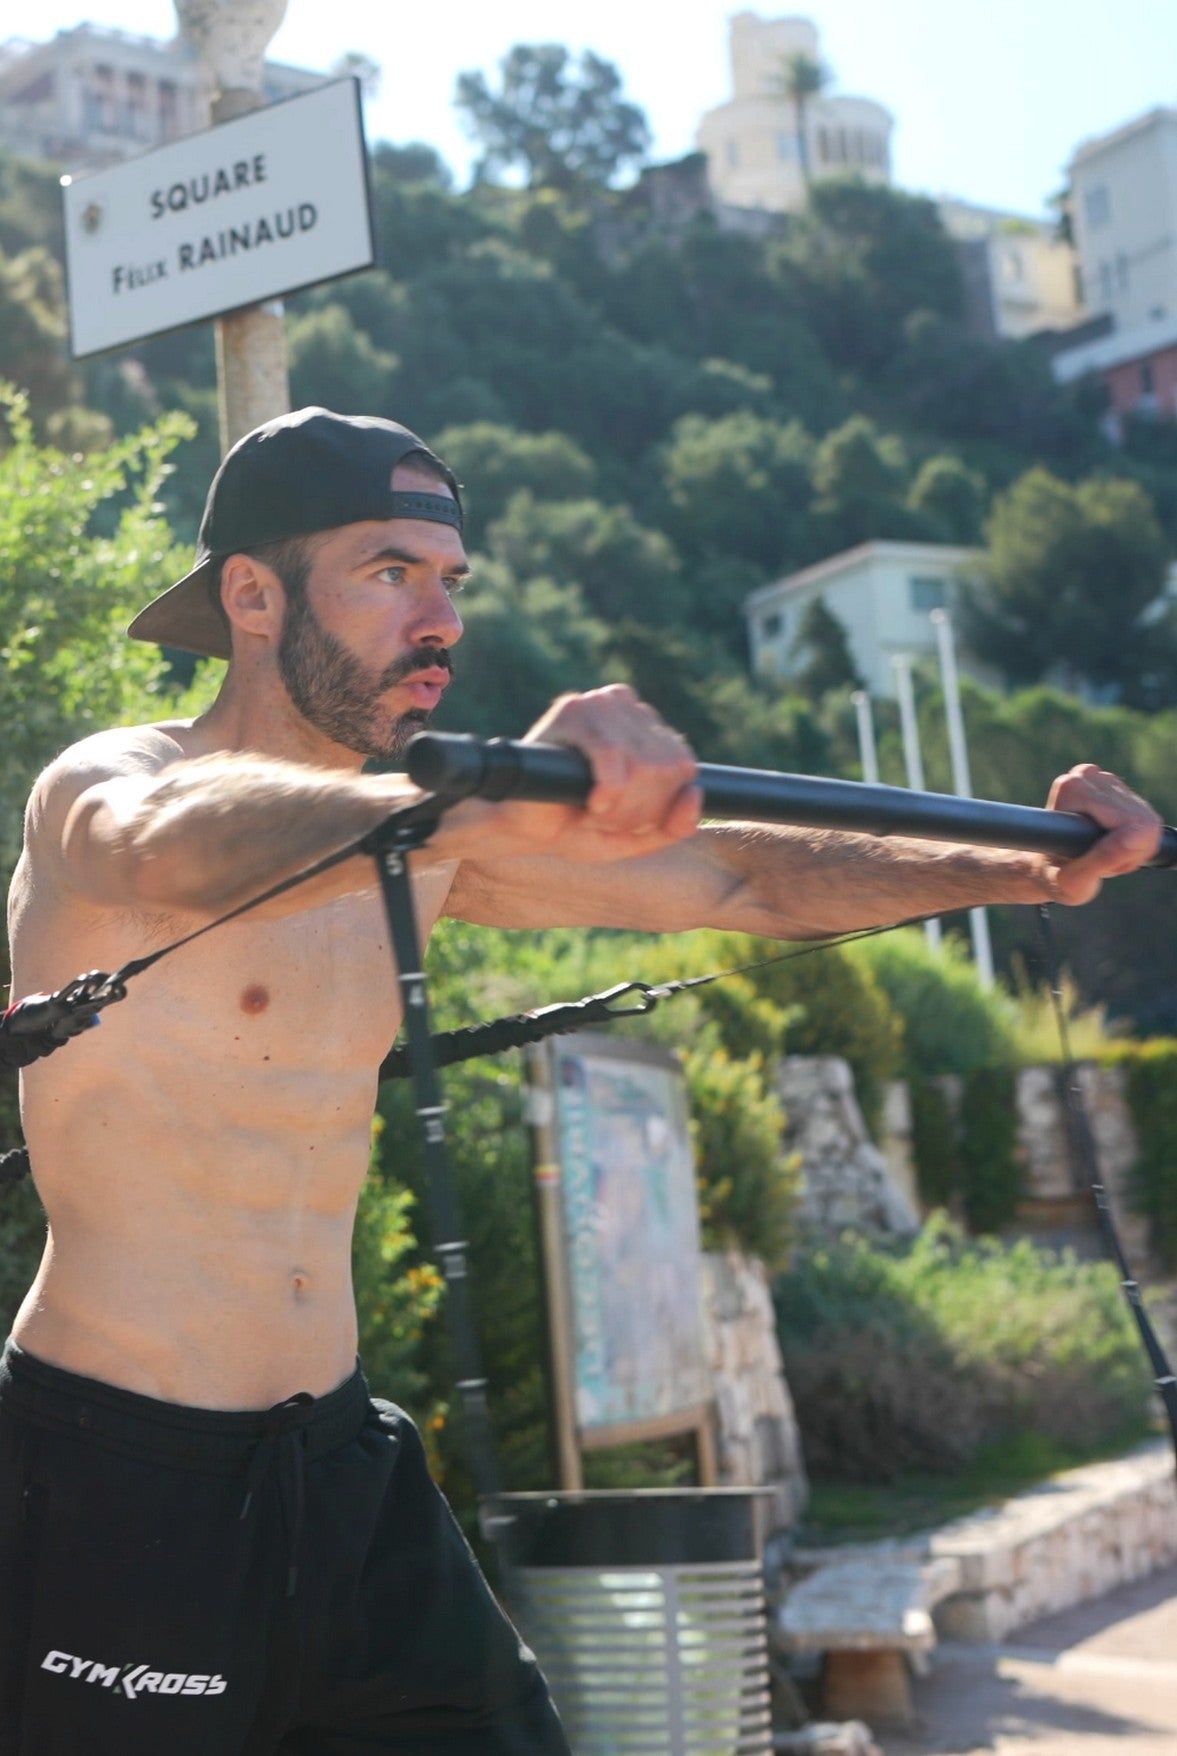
{"x": 751, "y": 141}
{"x": 881, "y": 592}
{"x": 94, "y": 95}
{"x": 1020, "y": 275}
{"x": 1124, "y": 216}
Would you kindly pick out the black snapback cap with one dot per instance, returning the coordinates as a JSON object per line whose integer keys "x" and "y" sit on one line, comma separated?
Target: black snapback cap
{"x": 308, "y": 471}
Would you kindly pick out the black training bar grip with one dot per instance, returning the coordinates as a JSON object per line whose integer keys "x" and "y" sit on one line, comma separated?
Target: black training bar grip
{"x": 458, "y": 766}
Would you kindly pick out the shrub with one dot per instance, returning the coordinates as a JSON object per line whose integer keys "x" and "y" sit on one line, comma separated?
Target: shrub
{"x": 951, "y": 1024}
{"x": 1151, "y": 1091}
{"x": 991, "y": 1172}
{"x": 915, "y": 1358}
{"x": 934, "y": 1143}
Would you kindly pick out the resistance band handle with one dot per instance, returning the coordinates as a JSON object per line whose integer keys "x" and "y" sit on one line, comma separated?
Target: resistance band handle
{"x": 458, "y": 766}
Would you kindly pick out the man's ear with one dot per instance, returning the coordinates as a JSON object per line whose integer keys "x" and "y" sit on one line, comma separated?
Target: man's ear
{"x": 253, "y": 597}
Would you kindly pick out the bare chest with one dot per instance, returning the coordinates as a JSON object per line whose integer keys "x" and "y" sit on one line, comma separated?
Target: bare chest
{"x": 316, "y": 990}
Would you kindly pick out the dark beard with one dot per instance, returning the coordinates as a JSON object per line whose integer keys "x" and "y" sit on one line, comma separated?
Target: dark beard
{"x": 339, "y": 696}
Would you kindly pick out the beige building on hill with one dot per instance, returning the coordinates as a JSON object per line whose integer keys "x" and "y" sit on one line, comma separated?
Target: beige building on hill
{"x": 1020, "y": 275}
{"x": 92, "y": 96}
{"x": 751, "y": 141}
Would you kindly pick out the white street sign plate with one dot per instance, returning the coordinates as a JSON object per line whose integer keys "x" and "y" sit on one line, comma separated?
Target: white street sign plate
{"x": 243, "y": 212}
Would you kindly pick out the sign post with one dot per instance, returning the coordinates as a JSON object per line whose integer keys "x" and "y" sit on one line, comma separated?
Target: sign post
{"x": 230, "y": 36}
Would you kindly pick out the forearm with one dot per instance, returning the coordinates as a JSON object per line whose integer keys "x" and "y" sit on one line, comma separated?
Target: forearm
{"x": 806, "y": 883}
{"x": 208, "y": 834}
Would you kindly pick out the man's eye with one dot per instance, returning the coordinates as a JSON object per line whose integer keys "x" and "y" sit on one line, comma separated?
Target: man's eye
{"x": 454, "y": 586}
{"x": 394, "y": 575}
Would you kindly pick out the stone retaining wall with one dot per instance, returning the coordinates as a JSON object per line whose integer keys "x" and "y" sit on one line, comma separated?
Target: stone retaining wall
{"x": 757, "y": 1441}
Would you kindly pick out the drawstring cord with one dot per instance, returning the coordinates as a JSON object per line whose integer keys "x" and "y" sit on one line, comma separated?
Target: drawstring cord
{"x": 282, "y": 1450}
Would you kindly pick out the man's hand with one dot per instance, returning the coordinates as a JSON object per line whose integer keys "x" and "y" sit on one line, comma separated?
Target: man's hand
{"x": 1133, "y": 831}
{"x": 644, "y": 795}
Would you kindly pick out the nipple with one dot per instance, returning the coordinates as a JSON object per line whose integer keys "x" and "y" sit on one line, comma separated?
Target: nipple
{"x": 255, "y": 999}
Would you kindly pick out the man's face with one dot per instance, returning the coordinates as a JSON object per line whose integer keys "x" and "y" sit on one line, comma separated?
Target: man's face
{"x": 364, "y": 649}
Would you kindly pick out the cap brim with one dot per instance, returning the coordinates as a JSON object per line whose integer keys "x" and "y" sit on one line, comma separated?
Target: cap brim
{"x": 184, "y": 617}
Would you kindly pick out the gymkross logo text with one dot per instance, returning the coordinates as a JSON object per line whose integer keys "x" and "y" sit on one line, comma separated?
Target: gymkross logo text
{"x": 132, "y": 1680}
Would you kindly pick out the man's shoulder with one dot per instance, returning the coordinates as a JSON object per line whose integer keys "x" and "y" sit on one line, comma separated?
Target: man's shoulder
{"x": 107, "y": 755}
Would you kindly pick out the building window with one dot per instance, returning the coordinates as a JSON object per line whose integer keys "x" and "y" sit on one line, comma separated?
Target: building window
{"x": 823, "y": 145}
{"x": 1097, "y": 205}
{"x": 927, "y": 594}
{"x": 1147, "y": 382}
{"x": 772, "y": 626}
{"x": 732, "y": 152}
{"x": 1122, "y": 273}
{"x": 786, "y": 147}
{"x": 1105, "y": 281}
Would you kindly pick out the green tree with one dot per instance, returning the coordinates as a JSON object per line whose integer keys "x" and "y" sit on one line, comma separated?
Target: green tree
{"x": 623, "y": 569}
{"x": 738, "y": 486}
{"x": 82, "y": 548}
{"x": 334, "y": 364}
{"x": 861, "y": 260}
{"x": 493, "y": 462}
{"x": 801, "y": 79}
{"x": 951, "y": 497}
{"x": 33, "y": 355}
{"x": 561, "y": 124}
{"x": 821, "y": 642}
{"x": 1068, "y": 582}
{"x": 859, "y": 480}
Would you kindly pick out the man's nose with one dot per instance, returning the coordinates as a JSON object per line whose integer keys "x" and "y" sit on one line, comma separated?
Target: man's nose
{"x": 439, "y": 619}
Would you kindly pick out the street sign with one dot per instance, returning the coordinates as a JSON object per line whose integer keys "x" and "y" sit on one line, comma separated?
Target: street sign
{"x": 276, "y": 200}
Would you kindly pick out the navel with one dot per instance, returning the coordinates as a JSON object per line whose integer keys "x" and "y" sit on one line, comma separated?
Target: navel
{"x": 300, "y": 1282}
{"x": 255, "y": 999}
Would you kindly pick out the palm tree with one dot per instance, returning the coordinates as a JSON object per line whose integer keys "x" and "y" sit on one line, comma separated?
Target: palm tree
{"x": 802, "y": 78}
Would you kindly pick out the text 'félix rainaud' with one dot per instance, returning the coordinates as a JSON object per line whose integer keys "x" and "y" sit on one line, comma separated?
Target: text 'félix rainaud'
{"x": 216, "y": 244}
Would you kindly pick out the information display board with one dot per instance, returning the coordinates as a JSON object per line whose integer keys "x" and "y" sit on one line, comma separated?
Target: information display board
{"x": 276, "y": 200}
{"x": 631, "y": 1231}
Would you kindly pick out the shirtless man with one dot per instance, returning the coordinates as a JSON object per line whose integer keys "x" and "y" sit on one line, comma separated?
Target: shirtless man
{"x": 211, "y": 1542}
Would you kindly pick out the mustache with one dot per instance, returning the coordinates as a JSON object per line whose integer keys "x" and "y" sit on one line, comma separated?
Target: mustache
{"x": 422, "y": 659}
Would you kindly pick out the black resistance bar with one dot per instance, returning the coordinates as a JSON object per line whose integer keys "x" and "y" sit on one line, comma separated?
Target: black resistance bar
{"x": 457, "y": 766}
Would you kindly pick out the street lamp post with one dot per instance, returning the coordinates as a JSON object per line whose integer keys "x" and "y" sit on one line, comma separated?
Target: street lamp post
{"x": 962, "y": 784}
{"x": 913, "y": 761}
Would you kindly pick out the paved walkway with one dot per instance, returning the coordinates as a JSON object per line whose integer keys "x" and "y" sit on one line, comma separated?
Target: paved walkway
{"x": 1100, "y": 1680}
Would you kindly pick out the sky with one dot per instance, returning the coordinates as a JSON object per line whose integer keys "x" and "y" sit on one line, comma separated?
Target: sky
{"x": 989, "y": 100}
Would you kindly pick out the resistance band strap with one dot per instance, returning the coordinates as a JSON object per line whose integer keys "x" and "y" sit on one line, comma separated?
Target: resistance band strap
{"x": 1082, "y": 1140}
{"x": 390, "y": 845}
{"x": 496, "y": 1035}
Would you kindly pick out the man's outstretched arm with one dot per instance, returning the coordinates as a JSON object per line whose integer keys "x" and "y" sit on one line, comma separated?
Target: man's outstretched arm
{"x": 806, "y": 883}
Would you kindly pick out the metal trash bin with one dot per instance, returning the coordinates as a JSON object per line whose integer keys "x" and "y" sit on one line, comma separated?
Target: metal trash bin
{"x": 646, "y": 1611}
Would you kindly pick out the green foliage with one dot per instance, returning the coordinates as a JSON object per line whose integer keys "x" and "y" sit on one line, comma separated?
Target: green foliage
{"x": 22, "y": 1229}
{"x": 326, "y": 347}
{"x": 1068, "y": 577}
{"x": 935, "y": 1143}
{"x": 82, "y": 548}
{"x": 992, "y": 1179}
{"x": 622, "y": 568}
{"x": 393, "y": 1307}
{"x": 738, "y": 485}
{"x": 864, "y": 258}
{"x": 915, "y": 1360}
{"x": 950, "y": 497}
{"x": 822, "y": 641}
{"x": 562, "y": 125}
{"x": 748, "y": 1190}
{"x": 822, "y": 1004}
{"x": 951, "y": 1024}
{"x": 1150, "y": 1071}
{"x": 495, "y": 462}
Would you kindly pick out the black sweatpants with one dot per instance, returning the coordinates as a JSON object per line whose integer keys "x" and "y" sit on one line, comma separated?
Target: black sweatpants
{"x": 179, "y": 1582}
